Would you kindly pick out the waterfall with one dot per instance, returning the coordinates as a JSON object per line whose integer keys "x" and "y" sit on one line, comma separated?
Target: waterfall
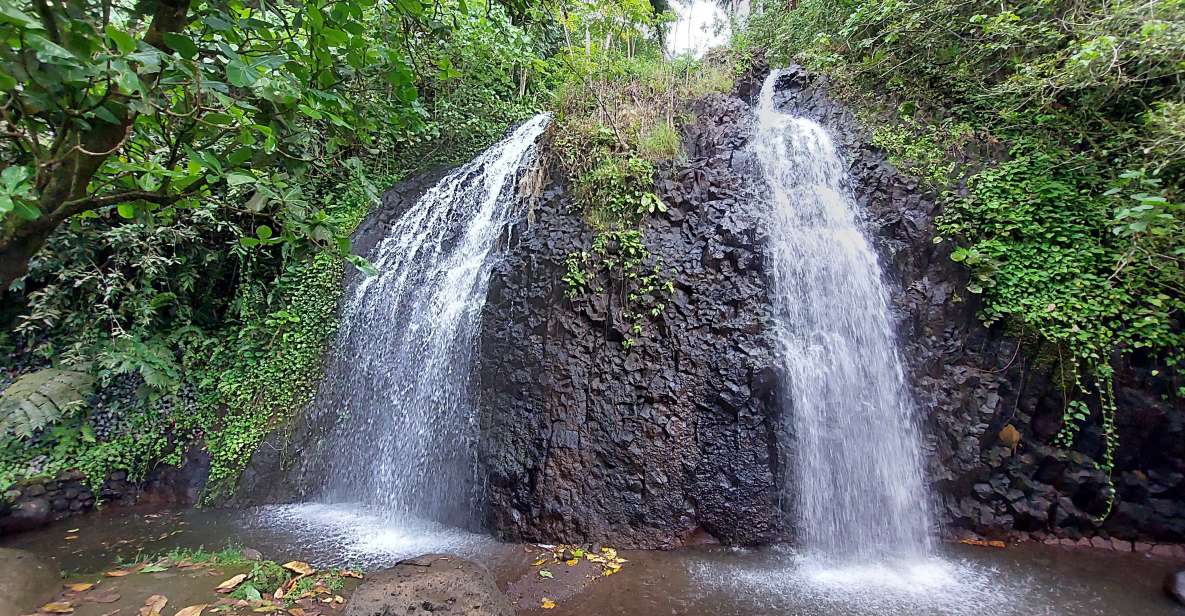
{"x": 401, "y": 370}
{"x": 857, "y": 481}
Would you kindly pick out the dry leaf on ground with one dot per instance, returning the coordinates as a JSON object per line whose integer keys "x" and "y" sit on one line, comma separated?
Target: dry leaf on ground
{"x": 80, "y": 587}
{"x": 100, "y": 596}
{"x": 153, "y": 605}
{"x": 350, "y": 573}
{"x": 193, "y": 610}
{"x": 230, "y": 584}
{"x": 547, "y": 604}
{"x": 298, "y": 567}
{"x": 58, "y": 607}
{"x": 118, "y": 573}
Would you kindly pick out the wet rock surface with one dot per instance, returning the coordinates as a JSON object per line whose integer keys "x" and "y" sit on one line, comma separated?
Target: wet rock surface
{"x": 34, "y": 503}
{"x": 584, "y": 440}
{"x": 26, "y": 580}
{"x": 1174, "y": 586}
{"x": 430, "y": 584}
{"x": 991, "y": 407}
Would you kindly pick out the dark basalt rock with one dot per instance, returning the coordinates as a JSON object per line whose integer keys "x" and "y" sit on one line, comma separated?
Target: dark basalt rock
{"x": 586, "y": 441}
{"x": 430, "y": 584}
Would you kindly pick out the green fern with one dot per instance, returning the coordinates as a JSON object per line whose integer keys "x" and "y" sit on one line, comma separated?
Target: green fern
{"x": 40, "y": 399}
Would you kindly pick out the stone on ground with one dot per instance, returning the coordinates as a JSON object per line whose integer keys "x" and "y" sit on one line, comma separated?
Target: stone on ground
{"x": 1174, "y": 585}
{"x": 26, "y": 581}
{"x": 430, "y": 584}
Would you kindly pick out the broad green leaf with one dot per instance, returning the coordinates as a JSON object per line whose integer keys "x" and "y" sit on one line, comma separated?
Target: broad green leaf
{"x": 26, "y": 210}
{"x": 123, "y": 41}
{"x": 240, "y": 74}
{"x": 126, "y": 210}
{"x": 181, "y": 44}
{"x": 238, "y": 179}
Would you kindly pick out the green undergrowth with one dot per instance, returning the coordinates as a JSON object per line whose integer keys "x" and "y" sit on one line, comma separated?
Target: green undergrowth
{"x": 1054, "y": 134}
{"x": 616, "y": 123}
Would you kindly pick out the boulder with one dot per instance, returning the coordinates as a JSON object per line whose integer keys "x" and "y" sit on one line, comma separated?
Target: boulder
{"x": 1174, "y": 586}
{"x": 430, "y": 584}
{"x": 27, "y": 515}
{"x": 26, "y": 581}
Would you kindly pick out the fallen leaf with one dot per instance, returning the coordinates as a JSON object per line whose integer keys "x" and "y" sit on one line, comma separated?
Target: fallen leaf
{"x": 153, "y": 605}
{"x": 539, "y": 562}
{"x": 154, "y": 568}
{"x": 58, "y": 607}
{"x": 80, "y": 587}
{"x": 71, "y": 537}
{"x": 984, "y": 543}
{"x": 266, "y": 608}
{"x": 298, "y": 567}
{"x": 572, "y": 562}
{"x": 230, "y": 584}
{"x": 338, "y": 599}
{"x": 118, "y": 573}
{"x": 544, "y": 573}
{"x": 296, "y": 611}
{"x": 350, "y": 573}
{"x": 193, "y": 610}
{"x": 609, "y": 553}
{"x": 547, "y": 604}
{"x": 100, "y": 596}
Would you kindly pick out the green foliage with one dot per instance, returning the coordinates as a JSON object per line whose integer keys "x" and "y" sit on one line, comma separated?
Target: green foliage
{"x": 39, "y": 399}
{"x": 215, "y": 101}
{"x": 618, "y": 117}
{"x": 1076, "y": 237}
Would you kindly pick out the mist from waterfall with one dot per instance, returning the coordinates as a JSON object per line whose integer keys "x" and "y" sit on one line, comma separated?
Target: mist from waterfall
{"x": 401, "y": 372}
{"x": 857, "y": 487}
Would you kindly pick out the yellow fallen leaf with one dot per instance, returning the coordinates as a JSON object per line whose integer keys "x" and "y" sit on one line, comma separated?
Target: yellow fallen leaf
{"x": 73, "y": 530}
{"x": 71, "y": 537}
{"x": 193, "y": 610}
{"x": 984, "y": 543}
{"x": 298, "y": 567}
{"x": 609, "y": 553}
{"x": 58, "y": 607}
{"x": 547, "y": 604}
{"x": 539, "y": 562}
{"x": 80, "y": 587}
{"x": 266, "y": 608}
{"x": 230, "y": 584}
{"x": 572, "y": 562}
{"x": 350, "y": 573}
{"x": 338, "y": 599}
{"x": 296, "y": 611}
{"x": 118, "y": 573}
{"x": 153, "y": 605}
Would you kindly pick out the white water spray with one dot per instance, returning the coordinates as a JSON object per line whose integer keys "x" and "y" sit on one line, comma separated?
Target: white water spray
{"x": 401, "y": 371}
{"x": 858, "y": 488}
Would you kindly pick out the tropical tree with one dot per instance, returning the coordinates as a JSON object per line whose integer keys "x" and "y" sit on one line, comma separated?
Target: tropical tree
{"x": 150, "y": 106}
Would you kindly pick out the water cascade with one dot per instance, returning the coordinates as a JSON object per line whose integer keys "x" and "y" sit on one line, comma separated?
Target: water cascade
{"x": 857, "y": 487}
{"x": 401, "y": 369}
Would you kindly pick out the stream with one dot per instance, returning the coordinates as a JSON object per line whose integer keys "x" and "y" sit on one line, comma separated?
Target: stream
{"x": 1025, "y": 579}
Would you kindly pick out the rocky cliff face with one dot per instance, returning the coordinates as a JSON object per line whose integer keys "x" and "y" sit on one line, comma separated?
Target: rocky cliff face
{"x": 971, "y": 382}
{"x": 654, "y": 446}
{"x": 681, "y": 438}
